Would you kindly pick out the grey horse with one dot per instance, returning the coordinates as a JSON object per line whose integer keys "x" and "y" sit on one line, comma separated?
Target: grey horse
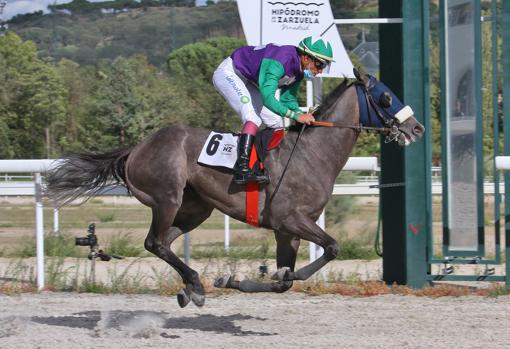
{"x": 162, "y": 172}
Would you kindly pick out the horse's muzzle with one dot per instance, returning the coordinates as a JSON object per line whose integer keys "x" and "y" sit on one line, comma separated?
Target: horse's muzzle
{"x": 410, "y": 131}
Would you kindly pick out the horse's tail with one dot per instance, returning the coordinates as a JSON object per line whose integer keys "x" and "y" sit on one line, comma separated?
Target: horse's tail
{"x": 84, "y": 175}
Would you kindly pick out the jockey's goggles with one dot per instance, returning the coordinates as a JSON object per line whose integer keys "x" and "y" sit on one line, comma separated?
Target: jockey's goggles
{"x": 322, "y": 65}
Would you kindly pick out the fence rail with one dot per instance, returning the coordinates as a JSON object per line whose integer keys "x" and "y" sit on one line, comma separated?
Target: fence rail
{"x": 364, "y": 186}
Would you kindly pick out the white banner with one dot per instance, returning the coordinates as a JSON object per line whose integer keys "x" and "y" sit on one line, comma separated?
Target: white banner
{"x": 288, "y": 22}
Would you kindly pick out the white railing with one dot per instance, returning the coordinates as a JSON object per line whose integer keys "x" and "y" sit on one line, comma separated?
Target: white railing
{"x": 502, "y": 162}
{"x": 36, "y": 167}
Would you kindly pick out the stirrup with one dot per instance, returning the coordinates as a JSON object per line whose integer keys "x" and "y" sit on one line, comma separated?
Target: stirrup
{"x": 250, "y": 176}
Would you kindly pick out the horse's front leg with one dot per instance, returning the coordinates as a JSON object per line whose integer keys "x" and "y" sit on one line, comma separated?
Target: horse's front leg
{"x": 307, "y": 229}
{"x": 286, "y": 253}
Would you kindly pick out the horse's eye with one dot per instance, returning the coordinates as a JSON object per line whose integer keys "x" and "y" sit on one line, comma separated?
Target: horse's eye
{"x": 385, "y": 100}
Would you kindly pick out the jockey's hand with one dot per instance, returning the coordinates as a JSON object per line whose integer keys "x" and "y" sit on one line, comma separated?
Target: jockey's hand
{"x": 305, "y": 118}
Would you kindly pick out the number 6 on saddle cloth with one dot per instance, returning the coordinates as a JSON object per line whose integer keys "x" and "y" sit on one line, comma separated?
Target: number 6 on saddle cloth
{"x": 220, "y": 149}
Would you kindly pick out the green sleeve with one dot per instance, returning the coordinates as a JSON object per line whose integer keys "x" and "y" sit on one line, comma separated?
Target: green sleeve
{"x": 271, "y": 71}
{"x": 289, "y": 97}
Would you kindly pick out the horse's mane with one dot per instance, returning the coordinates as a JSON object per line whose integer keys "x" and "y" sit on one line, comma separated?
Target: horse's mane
{"x": 332, "y": 98}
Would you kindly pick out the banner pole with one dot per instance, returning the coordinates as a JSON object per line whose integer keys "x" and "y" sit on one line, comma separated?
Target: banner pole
{"x": 260, "y": 37}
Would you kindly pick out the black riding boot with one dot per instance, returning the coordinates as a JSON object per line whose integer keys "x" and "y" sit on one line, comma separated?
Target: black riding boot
{"x": 243, "y": 172}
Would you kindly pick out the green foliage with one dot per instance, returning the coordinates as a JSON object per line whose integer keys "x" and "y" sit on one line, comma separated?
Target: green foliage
{"x": 123, "y": 245}
{"x": 32, "y": 98}
{"x": 195, "y": 64}
{"x": 56, "y": 275}
{"x": 89, "y": 36}
{"x": 106, "y": 217}
{"x": 61, "y": 245}
{"x": 352, "y": 249}
{"x": 84, "y": 6}
{"x": 340, "y": 206}
{"x": 499, "y": 290}
{"x": 94, "y": 287}
{"x": 105, "y": 86}
{"x": 353, "y": 8}
{"x": 115, "y": 100}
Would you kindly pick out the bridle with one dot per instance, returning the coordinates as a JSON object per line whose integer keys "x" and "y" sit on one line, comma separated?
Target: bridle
{"x": 389, "y": 126}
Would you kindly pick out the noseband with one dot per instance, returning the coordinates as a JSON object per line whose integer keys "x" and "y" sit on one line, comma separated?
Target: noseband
{"x": 372, "y": 112}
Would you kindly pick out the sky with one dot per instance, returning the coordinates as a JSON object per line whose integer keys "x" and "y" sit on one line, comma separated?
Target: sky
{"x": 15, "y": 7}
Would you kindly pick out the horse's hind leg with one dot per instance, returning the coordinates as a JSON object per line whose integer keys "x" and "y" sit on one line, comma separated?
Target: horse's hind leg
{"x": 286, "y": 253}
{"x": 168, "y": 223}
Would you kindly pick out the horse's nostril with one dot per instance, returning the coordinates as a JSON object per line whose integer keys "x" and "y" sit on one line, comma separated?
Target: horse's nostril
{"x": 418, "y": 130}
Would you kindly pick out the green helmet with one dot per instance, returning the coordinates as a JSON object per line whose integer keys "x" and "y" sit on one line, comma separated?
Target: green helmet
{"x": 317, "y": 48}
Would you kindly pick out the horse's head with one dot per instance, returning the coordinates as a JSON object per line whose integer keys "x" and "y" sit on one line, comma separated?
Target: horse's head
{"x": 379, "y": 107}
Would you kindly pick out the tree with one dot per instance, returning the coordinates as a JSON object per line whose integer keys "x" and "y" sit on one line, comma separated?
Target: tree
{"x": 115, "y": 102}
{"x": 32, "y": 98}
{"x": 71, "y": 130}
{"x": 156, "y": 98}
{"x": 192, "y": 67}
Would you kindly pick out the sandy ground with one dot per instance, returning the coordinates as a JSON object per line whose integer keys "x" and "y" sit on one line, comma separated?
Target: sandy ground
{"x": 234, "y": 320}
{"x": 291, "y": 320}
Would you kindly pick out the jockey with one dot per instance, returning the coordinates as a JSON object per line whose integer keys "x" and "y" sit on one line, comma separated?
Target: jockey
{"x": 249, "y": 80}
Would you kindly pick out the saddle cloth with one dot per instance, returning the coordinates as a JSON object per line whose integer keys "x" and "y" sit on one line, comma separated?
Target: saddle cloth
{"x": 220, "y": 149}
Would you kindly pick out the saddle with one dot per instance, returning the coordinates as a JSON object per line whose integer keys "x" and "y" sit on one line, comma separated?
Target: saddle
{"x": 265, "y": 140}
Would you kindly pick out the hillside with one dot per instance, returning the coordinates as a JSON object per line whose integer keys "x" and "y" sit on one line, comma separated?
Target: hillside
{"x": 88, "y": 32}
{"x": 87, "y": 38}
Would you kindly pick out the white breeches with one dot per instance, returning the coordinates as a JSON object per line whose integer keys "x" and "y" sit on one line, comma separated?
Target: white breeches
{"x": 243, "y": 96}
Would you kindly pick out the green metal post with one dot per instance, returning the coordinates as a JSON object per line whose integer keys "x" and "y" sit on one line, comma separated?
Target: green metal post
{"x": 505, "y": 21}
{"x": 406, "y": 210}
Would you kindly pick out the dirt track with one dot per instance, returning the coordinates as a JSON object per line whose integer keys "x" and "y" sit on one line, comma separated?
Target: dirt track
{"x": 292, "y": 320}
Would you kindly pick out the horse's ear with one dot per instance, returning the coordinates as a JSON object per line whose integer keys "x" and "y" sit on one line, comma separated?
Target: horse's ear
{"x": 361, "y": 76}
{"x": 357, "y": 74}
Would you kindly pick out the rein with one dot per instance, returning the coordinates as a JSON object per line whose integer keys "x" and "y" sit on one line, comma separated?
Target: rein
{"x": 358, "y": 127}
{"x": 287, "y": 165}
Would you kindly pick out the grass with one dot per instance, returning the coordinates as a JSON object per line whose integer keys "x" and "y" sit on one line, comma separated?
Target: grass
{"x": 18, "y": 277}
{"x": 129, "y": 217}
{"x": 498, "y": 290}
{"x": 123, "y": 245}
{"x": 96, "y": 201}
{"x": 234, "y": 252}
{"x": 106, "y": 217}
{"x": 78, "y": 217}
{"x": 61, "y": 245}
{"x": 349, "y": 249}
{"x": 59, "y": 278}
{"x": 352, "y": 249}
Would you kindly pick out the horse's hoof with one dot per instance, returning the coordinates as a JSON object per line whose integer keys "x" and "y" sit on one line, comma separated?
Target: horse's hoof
{"x": 183, "y": 298}
{"x": 281, "y": 274}
{"x": 222, "y": 281}
{"x": 198, "y": 299}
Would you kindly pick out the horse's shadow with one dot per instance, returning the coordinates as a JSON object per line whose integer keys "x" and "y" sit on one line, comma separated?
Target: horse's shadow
{"x": 128, "y": 320}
